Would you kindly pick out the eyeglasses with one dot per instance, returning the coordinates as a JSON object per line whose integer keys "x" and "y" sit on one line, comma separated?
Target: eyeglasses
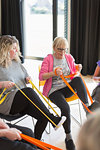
{"x": 62, "y": 49}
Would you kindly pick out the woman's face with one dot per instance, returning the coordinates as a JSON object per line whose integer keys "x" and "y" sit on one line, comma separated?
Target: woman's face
{"x": 59, "y": 52}
{"x": 13, "y": 51}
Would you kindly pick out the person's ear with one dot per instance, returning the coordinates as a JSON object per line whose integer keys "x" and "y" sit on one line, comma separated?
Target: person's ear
{"x": 53, "y": 49}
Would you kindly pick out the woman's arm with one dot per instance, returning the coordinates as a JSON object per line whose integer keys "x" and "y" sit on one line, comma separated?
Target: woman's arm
{"x": 6, "y": 84}
{"x": 79, "y": 67}
{"x": 96, "y": 75}
{"x": 3, "y": 125}
{"x": 11, "y": 134}
{"x": 48, "y": 75}
{"x": 45, "y": 72}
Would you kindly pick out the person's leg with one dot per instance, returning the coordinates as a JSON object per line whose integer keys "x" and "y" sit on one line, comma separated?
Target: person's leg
{"x": 6, "y": 144}
{"x": 96, "y": 94}
{"x": 22, "y": 105}
{"x": 96, "y": 98}
{"x": 78, "y": 85}
{"x": 58, "y": 98}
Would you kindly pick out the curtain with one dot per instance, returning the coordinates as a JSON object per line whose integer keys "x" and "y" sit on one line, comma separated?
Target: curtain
{"x": 85, "y": 33}
{"x": 11, "y": 20}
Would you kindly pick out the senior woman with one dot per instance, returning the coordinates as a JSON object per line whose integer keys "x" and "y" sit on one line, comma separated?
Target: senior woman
{"x": 56, "y": 89}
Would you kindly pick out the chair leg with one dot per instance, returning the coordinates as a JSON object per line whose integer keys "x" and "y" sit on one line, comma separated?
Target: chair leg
{"x": 80, "y": 112}
{"x": 33, "y": 121}
{"x": 80, "y": 117}
{"x": 20, "y": 120}
{"x": 48, "y": 132}
{"x": 76, "y": 121}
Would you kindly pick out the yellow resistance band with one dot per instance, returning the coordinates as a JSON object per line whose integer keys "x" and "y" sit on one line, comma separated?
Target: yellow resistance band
{"x": 2, "y": 100}
{"x": 33, "y": 86}
{"x": 36, "y": 106}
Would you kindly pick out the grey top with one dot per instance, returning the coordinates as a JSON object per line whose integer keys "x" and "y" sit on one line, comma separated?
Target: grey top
{"x": 57, "y": 82}
{"x": 15, "y": 73}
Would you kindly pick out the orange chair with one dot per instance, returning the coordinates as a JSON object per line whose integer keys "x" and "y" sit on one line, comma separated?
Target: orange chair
{"x": 70, "y": 99}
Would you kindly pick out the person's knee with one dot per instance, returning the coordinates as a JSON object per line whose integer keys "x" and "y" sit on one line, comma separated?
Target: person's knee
{"x": 26, "y": 146}
{"x": 29, "y": 132}
{"x": 78, "y": 79}
{"x": 66, "y": 112}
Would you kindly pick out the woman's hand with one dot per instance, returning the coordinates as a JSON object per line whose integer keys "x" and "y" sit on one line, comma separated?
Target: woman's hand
{"x": 27, "y": 79}
{"x": 79, "y": 66}
{"x": 97, "y": 79}
{"x": 7, "y": 84}
{"x": 3, "y": 125}
{"x": 58, "y": 71}
{"x": 12, "y": 134}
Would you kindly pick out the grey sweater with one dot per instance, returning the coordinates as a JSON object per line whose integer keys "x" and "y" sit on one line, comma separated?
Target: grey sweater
{"x": 15, "y": 73}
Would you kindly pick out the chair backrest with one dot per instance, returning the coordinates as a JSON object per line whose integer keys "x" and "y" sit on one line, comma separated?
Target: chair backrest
{"x": 41, "y": 83}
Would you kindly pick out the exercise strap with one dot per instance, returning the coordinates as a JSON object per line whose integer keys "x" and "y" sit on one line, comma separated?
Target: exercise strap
{"x": 33, "y": 86}
{"x": 39, "y": 143}
{"x": 72, "y": 75}
{"x": 36, "y": 106}
{"x": 2, "y": 100}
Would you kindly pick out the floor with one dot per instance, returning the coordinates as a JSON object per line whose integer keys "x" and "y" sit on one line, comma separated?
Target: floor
{"x": 57, "y": 138}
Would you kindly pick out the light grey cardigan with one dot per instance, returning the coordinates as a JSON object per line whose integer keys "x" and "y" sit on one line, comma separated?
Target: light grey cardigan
{"x": 15, "y": 73}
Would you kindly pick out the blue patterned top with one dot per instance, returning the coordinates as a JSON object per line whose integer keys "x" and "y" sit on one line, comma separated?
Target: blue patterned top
{"x": 98, "y": 63}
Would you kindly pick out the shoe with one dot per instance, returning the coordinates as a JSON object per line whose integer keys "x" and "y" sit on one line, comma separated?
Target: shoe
{"x": 59, "y": 121}
{"x": 69, "y": 144}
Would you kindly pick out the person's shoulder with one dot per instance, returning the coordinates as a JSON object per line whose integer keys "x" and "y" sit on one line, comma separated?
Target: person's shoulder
{"x": 49, "y": 56}
{"x": 69, "y": 56}
{"x": 16, "y": 64}
{"x": 98, "y": 63}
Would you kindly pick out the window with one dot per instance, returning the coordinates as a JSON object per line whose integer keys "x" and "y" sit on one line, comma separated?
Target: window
{"x": 38, "y": 26}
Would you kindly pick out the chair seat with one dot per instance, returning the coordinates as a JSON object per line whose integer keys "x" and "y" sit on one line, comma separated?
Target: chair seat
{"x": 10, "y": 117}
{"x": 72, "y": 98}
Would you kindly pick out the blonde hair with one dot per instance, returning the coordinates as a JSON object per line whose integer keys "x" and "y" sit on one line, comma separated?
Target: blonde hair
{"x": 89, "y": 135}
{"x": 60, "y": 42}
{"x": 6, "y": 42}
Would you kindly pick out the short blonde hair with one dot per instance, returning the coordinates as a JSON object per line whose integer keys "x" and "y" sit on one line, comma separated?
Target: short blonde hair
{"x": 59, "y": 42}
{"x": 89, "y": 135}
{"x": 6, "y": 41}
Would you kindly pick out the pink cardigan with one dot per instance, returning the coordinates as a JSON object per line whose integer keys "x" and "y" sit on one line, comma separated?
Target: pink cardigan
{"x": 47, "y": 66}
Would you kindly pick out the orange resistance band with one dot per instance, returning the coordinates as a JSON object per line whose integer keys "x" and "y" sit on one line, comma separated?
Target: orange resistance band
{"x": 39, "y": 143}
{"x": 72, "y": 75}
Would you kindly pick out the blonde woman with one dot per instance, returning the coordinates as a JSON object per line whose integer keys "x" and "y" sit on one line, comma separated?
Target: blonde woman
{"x": 55, "y": 88}
{"x": 89, "y": 135}
{"x": 12, "y": 72}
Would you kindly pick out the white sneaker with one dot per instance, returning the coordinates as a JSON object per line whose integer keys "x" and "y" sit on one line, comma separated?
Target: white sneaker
{"x": 63, "y": 118}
